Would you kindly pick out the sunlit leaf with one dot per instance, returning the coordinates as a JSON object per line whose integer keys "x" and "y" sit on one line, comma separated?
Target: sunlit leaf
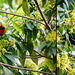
{"x": 25, "y": 7}
{"x": 16, "y": 26}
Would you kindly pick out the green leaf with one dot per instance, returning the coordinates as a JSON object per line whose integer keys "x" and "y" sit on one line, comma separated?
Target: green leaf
{"x": 9, "y": 3}
{"x": 50, "y": 51}
{"x": 49, "y": 44}
{"x": 61, "y": 30}
{"x": 67, "y": 38}
{"x": 66, "y": 46}
{"x": 16, "y": 26}
{"x": 19, "y": 6}
{"x": 30, "y": 46}
{"x": 7, "y": 71}
{"x": 59, "y": 2}
{"x": 43, "y": 2}
{"x": 25, "y": 7}
{"x": 54, "y": 51}
{"x": 47, "y": 13}
{"x": 34, "y": 60}
{"x": 29, "y": 25}
{"x": 70, "y": 49}
{"x": 4, "y": 59}
{"x": 22, "y": 55}
{"x": 1, "y": 2}
{"x": 19, "y": 46}
{"x": 60, "y": 71}
{"x": 14, "y": 59}
{"x": 43, "y": 45}
{"x": 35, "y": 31}
{"x": 59, "y": 49}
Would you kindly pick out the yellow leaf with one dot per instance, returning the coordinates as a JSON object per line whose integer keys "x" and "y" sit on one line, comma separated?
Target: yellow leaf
{"x": 19, "y": 2}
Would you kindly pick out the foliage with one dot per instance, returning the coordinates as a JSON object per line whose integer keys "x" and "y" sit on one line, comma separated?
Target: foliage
{"x": 66, "y": 39}
{"x": 23, "y": 36}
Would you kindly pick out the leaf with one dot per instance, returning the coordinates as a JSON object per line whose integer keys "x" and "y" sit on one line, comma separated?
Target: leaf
{"x": 1, "y": 2}
{"x": 67, "y": 38}
{"x": 70, "y": 49}
{"x": 49, "y": 44}
{"x": 14, "y": 59}
{"x": 64, "y": 5}
{"x": 59, "y": 49}
{"x": 19, "y": 6}
{"x": 30, "y": 46}
{"x": 50, "y": 51}
{"x": 61, "y": 30}
{"x": 34, "y": 60}
{"x": 60, "y": 9}
{"x": 29, "y": 0}
{"x": 16, "y": 26}
{"x": 51, "y": 2}
{"x": 42, "y": 46}
{"x": 43, "y": 2}
{"x": 7, "y": 71}
{"x": 4, "y": 59}
{"x": 19, "y": 46}
{"x": 59, "y": 2}
{"x": 60, "y": 71}
{"x": 54, "y": 51}
{"x": 25, "y": 7}
{"x": 66, "y": 46}
{"x": 19, "y": 2}
{"x": 29, "y": 26}
{"x": 47, "y": 13}
{"x": 22, "y": 55}
{"x": 35, "y": 31}
{"x": 9, "y": 3}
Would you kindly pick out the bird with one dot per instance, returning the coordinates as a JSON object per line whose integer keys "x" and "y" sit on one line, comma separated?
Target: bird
{"x": 2, "y": 29}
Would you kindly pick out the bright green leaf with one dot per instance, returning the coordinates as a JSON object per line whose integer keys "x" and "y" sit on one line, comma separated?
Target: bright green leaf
{"x": 25, "y": 7}
{"x": 66, "y": 46}
{"x": 4, "y": 59}
{"x": 16, "y": 26}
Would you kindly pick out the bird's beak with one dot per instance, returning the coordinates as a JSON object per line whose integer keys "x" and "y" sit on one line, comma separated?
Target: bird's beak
{"x": 0, "y": 25}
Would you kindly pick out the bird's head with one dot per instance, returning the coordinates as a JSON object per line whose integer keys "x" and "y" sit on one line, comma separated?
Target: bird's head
{"x": 0, "y": 24}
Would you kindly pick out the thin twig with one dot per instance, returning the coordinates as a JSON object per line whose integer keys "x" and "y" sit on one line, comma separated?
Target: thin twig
{"x": 42, "y": 55}
{"x": 52, "y": 13}
{"x": 25, "y": 69}
{"x": 47, "y": 25}
{"x": 43, "y": 36}
{"x": 22, "y": 40}
{"x": 52, "y": 20}
{"x": 31, "y": 57}
{"x": 22, "y": 16}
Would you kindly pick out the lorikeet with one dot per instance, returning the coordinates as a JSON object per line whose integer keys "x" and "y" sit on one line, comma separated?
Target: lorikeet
{"x": 2, "y": 29}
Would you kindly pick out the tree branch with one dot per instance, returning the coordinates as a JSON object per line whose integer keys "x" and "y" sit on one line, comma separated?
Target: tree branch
{"x": 42, "y": 55}
{"x": 25, "y": 69}
{"x": 52, "y": 20}
{"x": 22, "y": 16}
{"x": 52, "y": 13}
{"x": 31, "y": 56}
{"x": 43, "y": 36}
{"x": 47, "y": 25}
